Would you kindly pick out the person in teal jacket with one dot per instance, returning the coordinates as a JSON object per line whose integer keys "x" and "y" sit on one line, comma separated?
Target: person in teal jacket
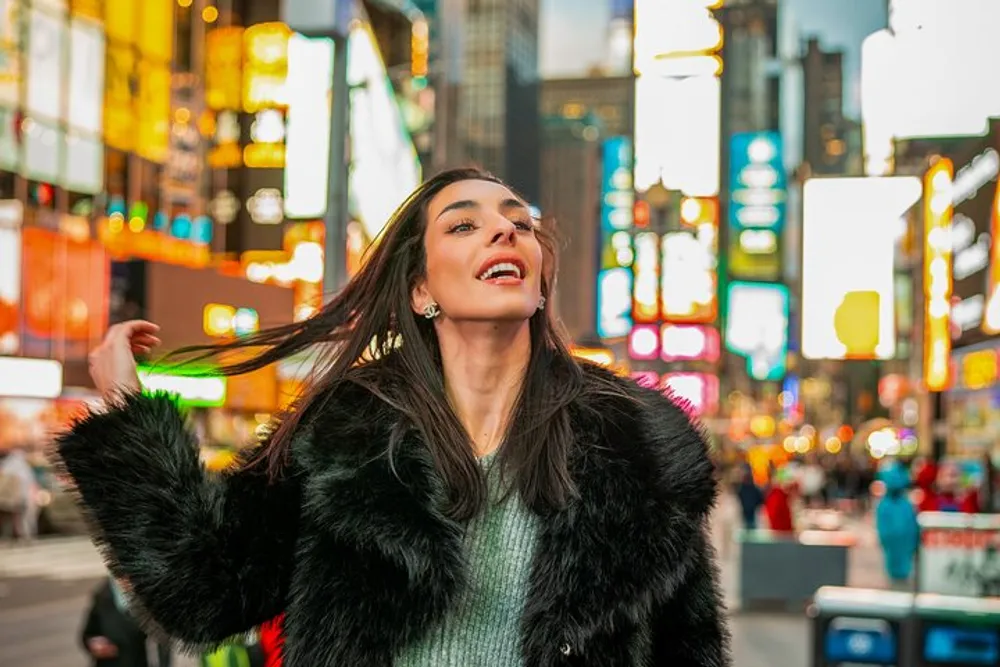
{"x": 896, "y": 523}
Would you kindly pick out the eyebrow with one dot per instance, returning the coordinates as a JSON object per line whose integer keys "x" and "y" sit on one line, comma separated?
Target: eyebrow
{"x": 467, "y": 204}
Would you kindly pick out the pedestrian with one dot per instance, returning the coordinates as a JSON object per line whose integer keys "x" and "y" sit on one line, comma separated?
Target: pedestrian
{"x": 453, "y": 489}
{"x": 112, "y": 637}
{"x": 896, "y": 524}
{"x": 19, "y": 489}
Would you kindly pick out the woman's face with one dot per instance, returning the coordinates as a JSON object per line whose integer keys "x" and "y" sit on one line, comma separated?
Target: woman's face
{"x": 484, "y": 262}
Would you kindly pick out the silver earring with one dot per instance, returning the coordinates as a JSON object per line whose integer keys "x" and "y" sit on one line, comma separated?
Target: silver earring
{"x": 432, "y": 310}
{"x": 541, "y": 303}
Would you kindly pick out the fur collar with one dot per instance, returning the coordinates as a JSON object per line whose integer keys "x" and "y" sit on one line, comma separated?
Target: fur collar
{"x": 391, "y": 563}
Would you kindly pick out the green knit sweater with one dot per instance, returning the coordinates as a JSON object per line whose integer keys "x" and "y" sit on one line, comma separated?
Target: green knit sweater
{"x": 482, "y": 629}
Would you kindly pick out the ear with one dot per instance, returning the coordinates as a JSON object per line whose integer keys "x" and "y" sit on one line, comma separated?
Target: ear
{"x": 420, "y": 298}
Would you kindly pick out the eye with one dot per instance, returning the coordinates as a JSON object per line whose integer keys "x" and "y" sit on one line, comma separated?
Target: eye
{"x": 465, "y": 225}
{"x": 524, "y": 225}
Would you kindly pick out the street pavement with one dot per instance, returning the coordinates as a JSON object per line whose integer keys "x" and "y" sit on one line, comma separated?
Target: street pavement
{"x": 44, "y": 590}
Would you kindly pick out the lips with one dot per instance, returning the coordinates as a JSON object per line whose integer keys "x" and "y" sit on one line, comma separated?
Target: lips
{"x": 502, "y": 268}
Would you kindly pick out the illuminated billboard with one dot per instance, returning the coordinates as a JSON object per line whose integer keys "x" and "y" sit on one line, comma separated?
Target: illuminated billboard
{"x": 905, "y": 68}
{"x": 689, "y": 275}
{"x": 307, "y": 149}
{"x": 974, "y": 191}
{"x": 614, "y": 281}
{"x": 938, "y": 212}
{"x": 757, "y": 203}
{"x": 385, "y": 168}
{"x": 677, "y": 96}
{"x": 11, "y": 213}
{"x": 757, "y": 327}
{"x": 849, "y": 237}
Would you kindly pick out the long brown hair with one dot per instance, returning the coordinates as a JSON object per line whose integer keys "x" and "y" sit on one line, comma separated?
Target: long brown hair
{"x": 373, "y": 311}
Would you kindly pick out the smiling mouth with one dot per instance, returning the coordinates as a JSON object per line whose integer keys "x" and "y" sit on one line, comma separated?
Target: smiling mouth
{"x": 502, "y": 271}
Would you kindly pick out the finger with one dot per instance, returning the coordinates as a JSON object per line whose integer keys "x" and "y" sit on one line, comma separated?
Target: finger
{"x": 136, "y": 327}
{"x": 148, "y": 341}
{"x": 140, "y": 349}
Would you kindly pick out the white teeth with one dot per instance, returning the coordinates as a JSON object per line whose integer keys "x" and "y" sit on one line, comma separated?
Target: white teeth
{"x": 502, "y": 267}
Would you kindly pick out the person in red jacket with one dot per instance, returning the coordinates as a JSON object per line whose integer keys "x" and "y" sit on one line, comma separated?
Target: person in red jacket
{"x": 777, "y": 503}
{"x": 272, "y": 639}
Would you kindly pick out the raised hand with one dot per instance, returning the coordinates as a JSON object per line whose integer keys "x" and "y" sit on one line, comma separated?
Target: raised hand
{"x": 112, "y": 363}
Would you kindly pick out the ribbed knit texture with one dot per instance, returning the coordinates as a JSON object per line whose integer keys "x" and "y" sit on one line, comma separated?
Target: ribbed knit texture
{"x": 482, "y": 629}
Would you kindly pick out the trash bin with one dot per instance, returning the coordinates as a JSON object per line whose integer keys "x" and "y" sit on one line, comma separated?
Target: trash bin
{"x": 860, "y": 627}
{"x": 956, "y": 631}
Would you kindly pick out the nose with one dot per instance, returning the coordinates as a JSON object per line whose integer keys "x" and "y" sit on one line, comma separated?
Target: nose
{"x": 504, "y": 233}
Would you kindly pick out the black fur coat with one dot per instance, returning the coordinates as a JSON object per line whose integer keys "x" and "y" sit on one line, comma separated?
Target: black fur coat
{"x": 364, "y": 562}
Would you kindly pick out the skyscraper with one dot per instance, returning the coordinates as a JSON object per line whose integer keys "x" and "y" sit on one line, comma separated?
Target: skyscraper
{"x": 488, "y": 99}
{"x": 619, "y": 47}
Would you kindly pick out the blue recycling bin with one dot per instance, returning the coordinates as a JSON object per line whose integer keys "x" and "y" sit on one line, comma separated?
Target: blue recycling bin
{"x": 952, "y": 631}
{"x": 861, "y": 627}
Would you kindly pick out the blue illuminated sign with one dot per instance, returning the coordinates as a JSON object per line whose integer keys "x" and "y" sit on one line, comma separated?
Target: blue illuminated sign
{"x": 614, "y": 302}
{"x": 617, "y": 195}
{"x": 757, "y": 182}
{"x": 949, "y": 645}
{"x": 614, "y": 280}
{"x": 757, "y": 327}
{"x": 866, "y": 644}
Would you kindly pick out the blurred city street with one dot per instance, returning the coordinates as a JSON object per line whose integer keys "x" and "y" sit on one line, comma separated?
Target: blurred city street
{"x": 43, "y": 590}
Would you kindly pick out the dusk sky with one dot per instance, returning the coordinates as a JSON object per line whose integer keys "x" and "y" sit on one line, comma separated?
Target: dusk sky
{"x": 573, "y": 33}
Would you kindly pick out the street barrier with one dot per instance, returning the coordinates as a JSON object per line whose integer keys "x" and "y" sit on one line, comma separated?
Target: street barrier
{"x": 861, "y": 627}
{"x": 956, "y": 631}
{"x": 784, "y": 571}
{"x": 959, "y": 554}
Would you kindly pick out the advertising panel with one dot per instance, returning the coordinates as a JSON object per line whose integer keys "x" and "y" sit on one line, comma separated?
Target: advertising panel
{"x": 757, "y": 328}
{"x": 307, "y": 148}
{"x": 9, "y": 149}
{"x": 757, "y": 205}
{"x": 224, "y": 68}
{"x": 83, "y": 169}
{"x": 385, "y": 167}
{"x": 65, "y": 285}
{"x": 850, "y": 314}
{"x": 677, "y": 96}
{"x": 11, "y": 212}
{"x": 689, "y": 277}
{"x": 974, "y": 194}
{"x": 938, "y": 215}
{"x": 614, "y": 281}
{"x": 119, "y": 114}
{"x": 10, "y": 54}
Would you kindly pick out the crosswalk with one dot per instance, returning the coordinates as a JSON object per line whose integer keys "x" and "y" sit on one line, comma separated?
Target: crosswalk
{"x": 57, "y": 559}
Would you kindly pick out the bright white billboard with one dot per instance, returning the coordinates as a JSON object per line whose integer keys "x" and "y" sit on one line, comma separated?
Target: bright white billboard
{"x": 384, "y": 164}
{"x": 84, "y": 157}
{"x": 307, "y": 142}
{"x": 849, "y": 234}
{"x": 677, "y": 138}
{"x": 929, "y": 75}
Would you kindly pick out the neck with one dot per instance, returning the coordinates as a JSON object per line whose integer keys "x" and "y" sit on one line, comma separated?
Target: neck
{"x": 484, "y": 366}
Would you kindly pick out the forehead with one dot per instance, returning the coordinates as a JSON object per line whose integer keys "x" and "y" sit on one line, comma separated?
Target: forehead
{"x": 484, "y": 193}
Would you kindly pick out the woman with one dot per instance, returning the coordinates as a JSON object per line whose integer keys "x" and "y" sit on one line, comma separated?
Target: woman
{"x": 454, "y": 489}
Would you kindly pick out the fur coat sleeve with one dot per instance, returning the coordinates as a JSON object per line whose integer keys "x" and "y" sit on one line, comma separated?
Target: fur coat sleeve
{"x": 156, "y": 512}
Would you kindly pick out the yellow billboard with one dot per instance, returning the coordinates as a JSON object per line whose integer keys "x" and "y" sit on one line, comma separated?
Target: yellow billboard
{"x": 266, "y": 66}
{"x": 156, "y": 30}
{"x": 119, "y": 115}
{"x": 224, "y": 68}
{"x": 938, "y": 211}
{"x": 153, "y": 111}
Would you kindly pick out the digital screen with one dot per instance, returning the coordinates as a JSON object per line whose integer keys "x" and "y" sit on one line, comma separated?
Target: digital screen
{"x": 949, "y": 645}
{"x": 861, "y": 642}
